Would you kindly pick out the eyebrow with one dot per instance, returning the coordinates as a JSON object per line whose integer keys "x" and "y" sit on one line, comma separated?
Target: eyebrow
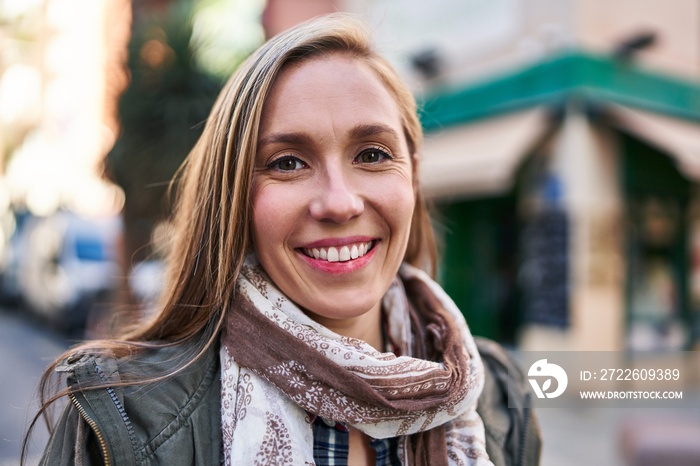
{"x": 285, "y": 138}
{"x": 358, "y": 132}
{"x": 363, "y": 131}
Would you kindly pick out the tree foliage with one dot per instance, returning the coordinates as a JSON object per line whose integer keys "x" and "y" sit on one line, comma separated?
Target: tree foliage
{"x": 162, "y": 113}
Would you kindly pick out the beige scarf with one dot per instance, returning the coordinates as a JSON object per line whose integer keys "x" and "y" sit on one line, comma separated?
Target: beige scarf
{"x": 278, "y": 365}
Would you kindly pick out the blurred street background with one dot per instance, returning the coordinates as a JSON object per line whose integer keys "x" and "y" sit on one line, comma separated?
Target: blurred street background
{"x": 562, "y": 156}
{"x": 27, "y": 347}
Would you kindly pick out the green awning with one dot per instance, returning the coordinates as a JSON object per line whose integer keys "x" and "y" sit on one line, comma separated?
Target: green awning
{"x": 595, "y": 79}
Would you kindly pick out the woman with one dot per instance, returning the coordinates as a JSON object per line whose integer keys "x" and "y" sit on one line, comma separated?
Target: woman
{"x": 297, "y": 326}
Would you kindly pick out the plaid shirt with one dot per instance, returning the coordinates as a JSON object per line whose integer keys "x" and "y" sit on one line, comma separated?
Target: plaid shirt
{"x": 331, "y": 445}
{"x": 331, "y": 441}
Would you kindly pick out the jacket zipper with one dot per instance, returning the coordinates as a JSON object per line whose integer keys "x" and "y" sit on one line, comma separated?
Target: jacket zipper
{"x": 93, "y": 425}
{"x": 124, "y": 416}
{"x": 120, "y": 408}
{"x": 526, "y": 429}
{"x": 527, "y": 413}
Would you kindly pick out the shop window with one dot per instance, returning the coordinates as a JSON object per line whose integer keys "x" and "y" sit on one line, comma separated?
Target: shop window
{"x": 658, "y": 257}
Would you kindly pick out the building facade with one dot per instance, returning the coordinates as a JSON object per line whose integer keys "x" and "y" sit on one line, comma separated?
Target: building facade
{"x": 563, "y": 157}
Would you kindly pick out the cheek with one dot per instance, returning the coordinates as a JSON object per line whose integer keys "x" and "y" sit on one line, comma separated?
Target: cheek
{"x": 406, "y": 214}
{"x": 270, "y": 215}
{"x": 397, "y": 202}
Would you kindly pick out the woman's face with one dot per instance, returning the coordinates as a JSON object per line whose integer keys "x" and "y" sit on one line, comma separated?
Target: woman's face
{"x": 333, "y": 189}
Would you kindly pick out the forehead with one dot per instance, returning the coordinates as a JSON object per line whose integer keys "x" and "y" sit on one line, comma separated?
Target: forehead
{"x": 335, "y": 88}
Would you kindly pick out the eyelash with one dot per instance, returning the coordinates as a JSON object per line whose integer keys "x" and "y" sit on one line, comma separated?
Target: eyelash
{"x": 384, "y": 154}
{"x": 275, "y": 164}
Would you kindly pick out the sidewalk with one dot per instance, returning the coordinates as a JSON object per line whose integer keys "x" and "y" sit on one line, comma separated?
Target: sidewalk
{"x": 575, "y": 436}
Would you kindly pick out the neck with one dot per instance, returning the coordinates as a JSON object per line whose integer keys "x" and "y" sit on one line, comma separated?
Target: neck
{"x": 366, "y": 327}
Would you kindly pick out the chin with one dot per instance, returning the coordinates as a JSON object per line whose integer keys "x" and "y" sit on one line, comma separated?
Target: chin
{"x": 331, "y": 311}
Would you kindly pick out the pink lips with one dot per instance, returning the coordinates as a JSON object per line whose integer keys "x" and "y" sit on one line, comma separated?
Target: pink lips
{"x": 328, "y": 261}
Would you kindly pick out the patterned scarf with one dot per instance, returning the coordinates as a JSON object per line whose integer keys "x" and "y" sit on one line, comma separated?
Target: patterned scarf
{"x": 278, "y": 365}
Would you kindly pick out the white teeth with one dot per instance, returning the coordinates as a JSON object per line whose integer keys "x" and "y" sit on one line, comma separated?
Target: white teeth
{"x": 346, "y": 253}
{"x": 333, "y": 255}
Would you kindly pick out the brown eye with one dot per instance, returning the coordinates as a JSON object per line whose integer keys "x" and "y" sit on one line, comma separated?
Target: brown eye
{"x": 287, "y": 164}
{"x": 372, "y": 156}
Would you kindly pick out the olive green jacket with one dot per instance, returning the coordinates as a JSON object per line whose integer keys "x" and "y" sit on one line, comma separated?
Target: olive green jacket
{"x": 175, "y": 422}
{"x": 178, "y": 421}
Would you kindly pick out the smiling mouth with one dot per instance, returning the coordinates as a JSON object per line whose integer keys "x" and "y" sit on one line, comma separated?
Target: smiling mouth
{"x": 341, "y": 254}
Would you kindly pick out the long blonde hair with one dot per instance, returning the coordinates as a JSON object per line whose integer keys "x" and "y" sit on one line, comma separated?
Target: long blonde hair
{"x": 213, "y": 213}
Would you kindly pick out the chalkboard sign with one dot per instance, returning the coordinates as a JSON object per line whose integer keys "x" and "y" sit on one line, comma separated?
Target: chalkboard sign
{"x": 544, "y": 270}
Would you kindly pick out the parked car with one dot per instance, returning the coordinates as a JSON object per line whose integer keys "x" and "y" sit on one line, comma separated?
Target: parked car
{"x": 63, "y": 265}
{"x": 13, "y": 225}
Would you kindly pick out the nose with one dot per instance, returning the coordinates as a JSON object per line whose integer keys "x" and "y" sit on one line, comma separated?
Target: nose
{"x": 336, "y": 199}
